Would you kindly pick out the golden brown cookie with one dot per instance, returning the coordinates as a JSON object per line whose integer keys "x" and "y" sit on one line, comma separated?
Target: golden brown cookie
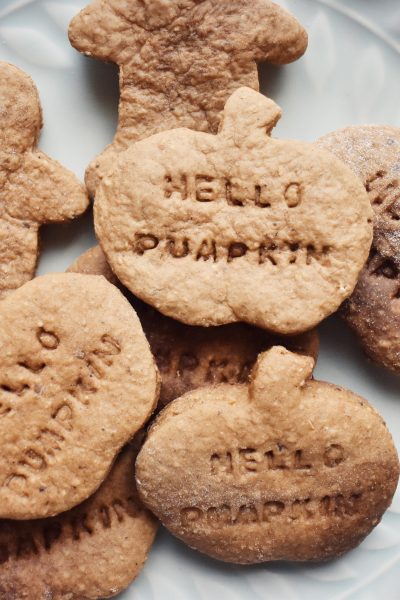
{"x": 77, "y": 381}
{"x": 235, "y": 227}
{"x": 92, "y": 551}
{"x": 286, "y": 468}
{"x": 373, "y": 311}
{"x": 34, "y": 189}
{"x": 180, "y": 59}
{"x": 191, "y": 357}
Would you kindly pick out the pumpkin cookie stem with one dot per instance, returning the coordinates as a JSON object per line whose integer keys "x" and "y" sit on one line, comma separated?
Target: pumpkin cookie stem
{"x": 279, "y": 374}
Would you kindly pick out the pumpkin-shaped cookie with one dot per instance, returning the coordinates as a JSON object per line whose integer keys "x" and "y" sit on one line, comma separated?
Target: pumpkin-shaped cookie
{"x": 286, "y": 468}
{"x": 235, "y": 227}
{"x": 77, "y": 381}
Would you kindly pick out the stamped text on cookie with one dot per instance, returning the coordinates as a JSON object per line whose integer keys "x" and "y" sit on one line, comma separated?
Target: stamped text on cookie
{"x": 265, "y": 511}
{"x": 77, "y": 376}
{"x": 189, "y": 215}
{"x": 271, "y": 251}
{"x": 276, "y": 457}
{"x": 271, "y": 469}
{"x": 75, "y": 527}
{"x": 50, "y": 439}
{"x": 233, "y": 191}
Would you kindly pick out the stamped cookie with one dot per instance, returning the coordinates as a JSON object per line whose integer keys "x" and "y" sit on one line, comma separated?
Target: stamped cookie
{"x": 191, "y": 357}
{"x": 92, "y": 551}
{"x": 180, "y": 59}
{"x": 373, "y": 311}
{"x": 235, "y": 227}
{"x": 77, "y": 381}
{"x": 34, "y": 189}
{"x": 286, "y": 468}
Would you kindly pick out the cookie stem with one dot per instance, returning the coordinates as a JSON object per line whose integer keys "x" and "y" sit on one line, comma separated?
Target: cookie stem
{"x": 277, "y": 379}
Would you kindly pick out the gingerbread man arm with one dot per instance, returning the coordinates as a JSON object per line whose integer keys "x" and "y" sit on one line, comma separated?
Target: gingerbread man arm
{"x": 100, "y": 30}
{"x": 259, "y": 30}
{"x": 44, "y": 191}
{"x": 20, "y": 117}
{"x": 180, "y": 59}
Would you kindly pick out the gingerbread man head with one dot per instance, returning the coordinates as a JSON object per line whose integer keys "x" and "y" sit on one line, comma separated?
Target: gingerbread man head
{"x": 181, "y": 59}
{"x": 34, "y": 189}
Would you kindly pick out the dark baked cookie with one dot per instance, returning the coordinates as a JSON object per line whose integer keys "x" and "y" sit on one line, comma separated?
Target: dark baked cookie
{"x": 373, "y": 311}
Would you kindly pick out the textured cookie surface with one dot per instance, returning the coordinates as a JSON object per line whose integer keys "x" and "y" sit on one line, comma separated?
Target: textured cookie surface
{"x": 90, "y": 552}
{"x": 191, "y": 357}
{"x": 373, "y": 311}
{"x": 34, "y": 189}
{"x": 235, "y": 227}
{"x": 77, "y": 381}
{"x": 284, "y": 469}
{"x": 181, "y": 59}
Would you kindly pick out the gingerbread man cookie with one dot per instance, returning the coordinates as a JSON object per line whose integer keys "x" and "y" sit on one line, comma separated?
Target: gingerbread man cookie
{"x": 34, "y": 189}
{"x": 93, "y": 551}
{"x": 180, "y": 59}
{"x": 77, "y": 381}
{"x": 286, "y": 468}
{"x": 191, "y": 357}
{"x": 373, "y": 311}
{"x": 235, "y": 227}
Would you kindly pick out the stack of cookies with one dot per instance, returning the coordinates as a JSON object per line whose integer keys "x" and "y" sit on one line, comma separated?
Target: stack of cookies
{"x": 220, "y": 251}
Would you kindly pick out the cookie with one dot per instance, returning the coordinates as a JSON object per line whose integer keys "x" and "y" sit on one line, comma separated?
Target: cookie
{"x": 286, "y": 468}
{"x": 373, "y": 311}
{"x": 180, "y": 60}
{"x": 77, "y": 381}
{"x": 93, "y": 551}
{"x": 191, "y": 357}
{"x": 34, "y": 189}
{"x": 93, "y": 262}
{"x": 235, "y": 227}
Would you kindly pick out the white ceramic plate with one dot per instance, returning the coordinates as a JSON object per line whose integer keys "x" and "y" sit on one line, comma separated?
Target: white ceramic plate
{"x": 350, "y": 74}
